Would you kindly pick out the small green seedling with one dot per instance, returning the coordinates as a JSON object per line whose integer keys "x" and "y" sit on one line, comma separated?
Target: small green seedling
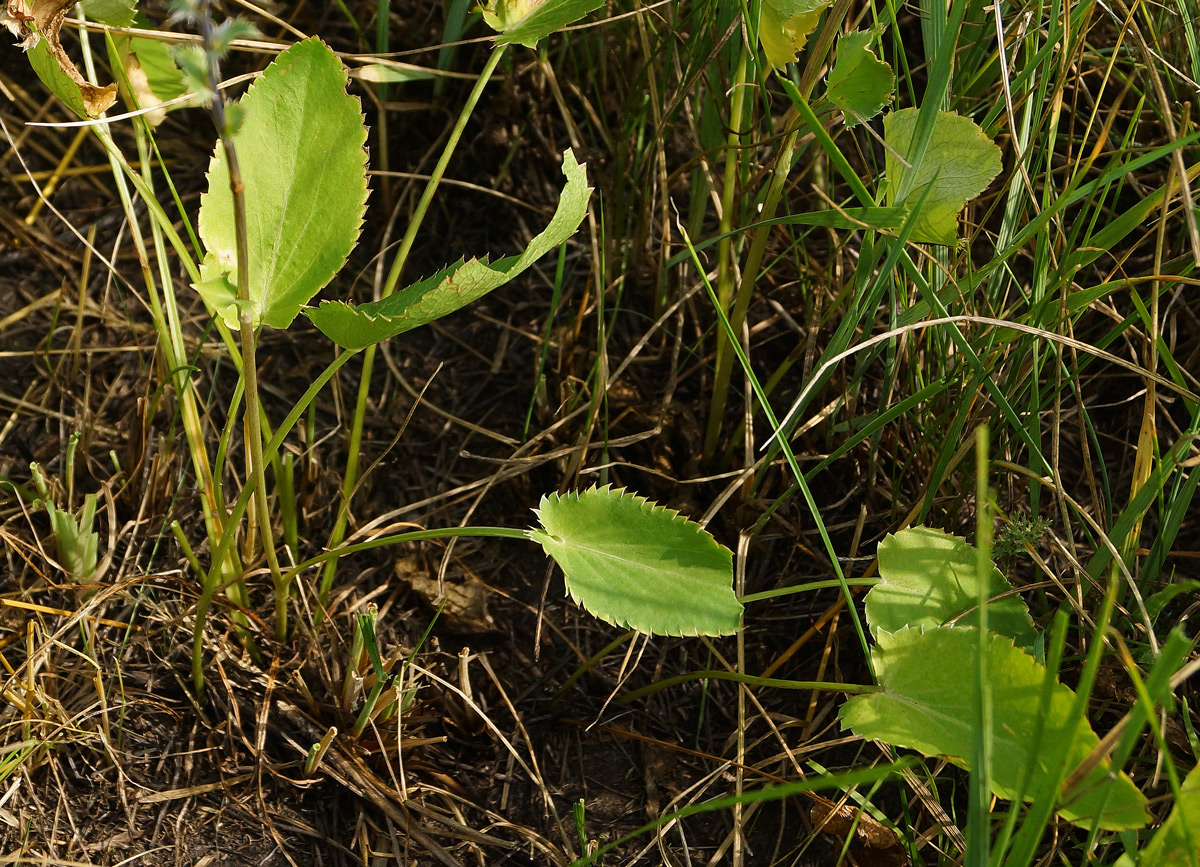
{"x": 78, "y": 546}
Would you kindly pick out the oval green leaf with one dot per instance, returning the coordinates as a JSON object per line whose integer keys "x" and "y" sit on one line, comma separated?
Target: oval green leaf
{"x": 928, "y": 703}
{"x": 304, "y": 166}
{"x": 639, "y": 565}
{"x": 455, "y": 286}
{"x": 929, "y": 579}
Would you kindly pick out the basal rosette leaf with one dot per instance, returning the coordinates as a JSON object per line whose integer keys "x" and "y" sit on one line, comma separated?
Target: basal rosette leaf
{"x": 928, "y": 703}
{"x": 356, "y": 326}
{"x": 639, "y": 565}
{"x": 957, "y": 166}
{"x": 928, "y": 578}
{"x": 303, "y": 162}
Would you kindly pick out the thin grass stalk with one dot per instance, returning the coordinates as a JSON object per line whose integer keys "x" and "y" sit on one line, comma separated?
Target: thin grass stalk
{"x": 176, "y": 369}
{"x": 228, "y": 567}
{"x": 164, "y": 313}
{"x": 350, "y": 479}
{"x": 789, "y": 456}
{"x": 225, "y": 544}
{"x": 725, "y": 259}
{"x": 979, "y": 795}
{"x": 751, "y": 269}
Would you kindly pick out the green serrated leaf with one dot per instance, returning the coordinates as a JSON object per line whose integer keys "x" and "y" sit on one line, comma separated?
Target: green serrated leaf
{"x": 958, "y": 165}
{"x": 784, "y": 26}
{"x": 118, "y": 13}
{"x": 304, "y": 168}
{"x": 638, "y": 565}
{"x": 928, "y": 701}
{"x": 928, "y": 579}
{"x": 354, "y": 327}
{"x": 526, "y": 22}
{"x": 859, "y": 83}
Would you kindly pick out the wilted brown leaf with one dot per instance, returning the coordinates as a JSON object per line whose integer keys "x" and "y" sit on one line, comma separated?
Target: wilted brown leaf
{"x": 47, "y": 16}
{"x": 873, "y": 845}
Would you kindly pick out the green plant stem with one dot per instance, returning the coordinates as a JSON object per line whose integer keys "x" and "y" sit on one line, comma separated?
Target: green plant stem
{"x": 805, "y": 588}
{"x": 350, "y": 479}
{"x": 414, "y": 536}
{"x": 260, "y": 516}
{"x": 224, "y": 546}
{"x": 749, "y": 680}
{"x": 844, "y": 781}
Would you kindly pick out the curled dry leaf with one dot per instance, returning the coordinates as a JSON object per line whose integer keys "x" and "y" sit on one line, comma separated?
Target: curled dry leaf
{"x": 873, "y": 844}
{"x": 46, "y": 18}
{"x": 465, "y": 603}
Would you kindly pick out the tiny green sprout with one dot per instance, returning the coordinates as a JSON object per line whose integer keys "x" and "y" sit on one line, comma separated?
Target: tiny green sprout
{"x": 77, "y": 545}
{"x": 317, "y": 752}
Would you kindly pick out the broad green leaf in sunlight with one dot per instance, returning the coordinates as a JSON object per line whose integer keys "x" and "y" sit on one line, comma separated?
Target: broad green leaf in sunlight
{"x": 929, "y": 579}
{"x": 526, "y": 22}
{"x": 860, "y": 82}
{"x": 928, "y": 703}
{"x": 356, "y": 326}
{"x": 303, "y": 163}
{"x": 639, "y": 565}
{"x": 957, "y": 166}
{"x": 784, "y": 26}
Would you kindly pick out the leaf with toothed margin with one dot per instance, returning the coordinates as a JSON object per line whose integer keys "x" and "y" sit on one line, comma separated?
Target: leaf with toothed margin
{"x": 636, "y": 564}
{"x": 303, "y": 163}
{"x": 859, "y": 83}
{"x": 929, "y": 578}
{"x": 455, "y": 286}
{"x": 958, "y": 164}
